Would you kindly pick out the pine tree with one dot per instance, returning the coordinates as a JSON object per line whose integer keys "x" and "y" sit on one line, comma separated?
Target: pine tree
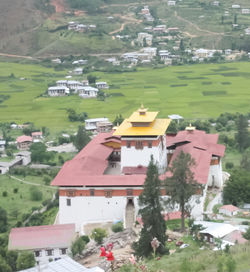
{"x": 151, "y": 208}
{"x": 181, "y": 185}
{"x": 82, "y": 138}
{"x": 242, "y": 135}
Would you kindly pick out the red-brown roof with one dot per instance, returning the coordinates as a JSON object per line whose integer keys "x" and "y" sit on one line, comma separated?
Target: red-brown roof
{"x": 37, "y": 133}
{"x": 38, "y": 237}
{"x": 139, "y": 170}
{"x": 235, "y": 237}
{"x": 24, "y": 138}
{"x": 230, "y": 208}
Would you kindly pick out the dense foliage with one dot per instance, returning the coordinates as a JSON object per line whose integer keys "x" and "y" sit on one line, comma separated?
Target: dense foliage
{"x": 98, "y": 234}
{"x": 237, "y": 188}
{"x": 151, "y": 212}
{"x": 3, "y": 220}
{"x": 40, "y": 154}
{"x": 82, "y": 138}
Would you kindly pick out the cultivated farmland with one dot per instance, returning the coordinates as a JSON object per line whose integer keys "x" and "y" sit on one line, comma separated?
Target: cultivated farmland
{"x": 194, "y": 91}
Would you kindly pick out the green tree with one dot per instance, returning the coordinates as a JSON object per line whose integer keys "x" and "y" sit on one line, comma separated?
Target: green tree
{"x": 40, "y": 154}
{"x": 154, "y": 225}
{"x": 242, "y": 135}
{"x": 25, "y": 260}
{"x": 182, "y": 47}
{"x": 181, "y": 186}
{"x": 78, "y": 246}
{"x": 118, "y": 120}
{"x": 4, "y": 267}
{"x": 91, "y": 79}
{"x": 98, "y": 234}
{"x": 246, "y": 235}
{"x": 82, "y": 138}
{"x": 245, "y": 160}
{"x": 11, "y": 259}
{"x": 237, "y": 188}
{"x": 3, "y": 220}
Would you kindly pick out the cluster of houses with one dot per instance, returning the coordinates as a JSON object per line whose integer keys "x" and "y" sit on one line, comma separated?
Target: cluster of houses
{"x": 83, "y": 89}
{"x": 145, "y": 12}
{"x": 80, "y": 27}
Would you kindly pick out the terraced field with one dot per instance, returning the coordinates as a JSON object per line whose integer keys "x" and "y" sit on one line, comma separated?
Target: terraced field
{"x": 195, "y": 91}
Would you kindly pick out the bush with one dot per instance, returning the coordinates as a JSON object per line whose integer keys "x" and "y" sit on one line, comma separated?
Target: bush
{"x": 229, "y": 165}
{"x": 85, "y": 238}
{"x": 98, "y": 235}
{"x": 4, "y": 194}
{"x": 46, "y": 180}
{"x": 15, "y": 190}
{"x": 78, "y": 246}
{"x": 35, "y": 194}
{"x": 117, "y": 227}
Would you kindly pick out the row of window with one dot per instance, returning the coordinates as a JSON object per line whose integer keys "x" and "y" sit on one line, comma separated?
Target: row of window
{"x": 107, "y": 193}
{"x": 50, "y": 252}
{"x": 139, "y": 144}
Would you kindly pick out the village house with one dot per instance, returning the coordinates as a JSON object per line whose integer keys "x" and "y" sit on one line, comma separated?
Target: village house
{"x": 102, "y": 85}
{"x": 24, "y": 142}
{"x": 216, "y": 3}
{"x": 151, "y": 51}
{"x": 164, "y": 54}
{"x": 103, "y": 182}
{"x": 37, "y": 136}
{"x": 159, "y": 29}
{"x": 245, "y": 11}
{"x": 87, "y": 91}
{"x": 58, "y": 91}
{"x": 171, "y": 3}
{"x": 229, "y": 210}
{"x": 77, "y": 71}
{"x": 48, "y": 243}
{"x": 236, "y": 6}
{"x": 91, "y": 124}
{"x": 56, "y": 61}
{"x": 145, "y": 10}
{"x": 144, "y": 37}
{"x": 85, "y": 82}
{"x": 247, "y": 31}
{"x": 104, "y": 126}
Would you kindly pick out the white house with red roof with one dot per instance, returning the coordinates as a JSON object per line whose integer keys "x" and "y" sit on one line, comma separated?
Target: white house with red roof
{"x": 24, "y": 142}
{"x": 47, "y": 242}
{"x": 229, "y": 210}
{"x": 103, "y": 181}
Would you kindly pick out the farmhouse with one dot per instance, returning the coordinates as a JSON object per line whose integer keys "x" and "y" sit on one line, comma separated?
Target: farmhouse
{"x": 86, "y": 91}
{"x": 37, "y": 136}
{"x": 229, "y": 210}
{"x": 102, "y": 85}
{"x": 24, "y": 142}
{"x": 58, "y": 91}
{"x": 245, "y": 11}
{"x": 47, "y": 242}
{"x": 103, "y": 182}
{"x": 144, "y": 37}
{"x": 91, "y": 124}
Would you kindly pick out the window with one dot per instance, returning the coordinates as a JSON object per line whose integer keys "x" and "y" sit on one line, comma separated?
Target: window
{"x": 139, "y": 145}
{"x": 49, "y": 252}
{"x": 63, "y": 251}
{"x": 92, "y": 192}
{"x": 129, "y": 192}
{"x": 38, "y": 253}
{"x": 68, "y": 202}
{"x": 128, "y": 144}
{"x": 108, "y": 193}
{"x": 149, "y": 144}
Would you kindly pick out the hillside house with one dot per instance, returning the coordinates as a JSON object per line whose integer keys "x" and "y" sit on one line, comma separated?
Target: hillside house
{"x": 145, "y": 10}
{"x": 144, "y": 37}
{"x": 48, "y": 243}
{"x": 58, "y": 91}
{"x": 103, "y": 182}
{"x": 91, "y": 124}
{"x": 235, "y": 6}
{"x": 245, "y": 11}
{"x": 159, "y": 29}
{"x": 78, "y": 71}
{"x": 37, "y": 136}
{"x": 151, "y": 51}
{"x": 102, "y": 85}
{"x": 171, "y": 3}
{"x": 164, "y": 54}
{"x": 229, "y": 210}
{"x": 85, "y": 82}
{"x": 24, "y": 142}
{"x": 247, "y": 31}
{"x": 216, "y": 3}
{"x": 87, "y": 91}
{"x": 104, "y": 126}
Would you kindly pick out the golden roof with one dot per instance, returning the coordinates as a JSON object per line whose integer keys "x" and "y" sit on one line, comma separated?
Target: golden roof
{"x": 157, "y": 127}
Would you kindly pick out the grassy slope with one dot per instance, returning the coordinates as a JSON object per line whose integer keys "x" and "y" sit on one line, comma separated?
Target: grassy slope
{"x": 225, "y": 88}
{"x": 21, "y": 200}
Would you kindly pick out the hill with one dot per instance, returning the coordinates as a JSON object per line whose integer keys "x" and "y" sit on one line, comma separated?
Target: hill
{"x": 40, "y": 27}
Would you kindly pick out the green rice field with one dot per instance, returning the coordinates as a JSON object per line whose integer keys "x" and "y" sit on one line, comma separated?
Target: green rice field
{"x": 193, "y": 91}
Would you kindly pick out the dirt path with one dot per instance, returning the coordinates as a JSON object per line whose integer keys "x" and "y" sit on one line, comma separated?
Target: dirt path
{"x": 196, "y": 26}
{"x": 31, "y": 183}
{"x": 16, "y": 56}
